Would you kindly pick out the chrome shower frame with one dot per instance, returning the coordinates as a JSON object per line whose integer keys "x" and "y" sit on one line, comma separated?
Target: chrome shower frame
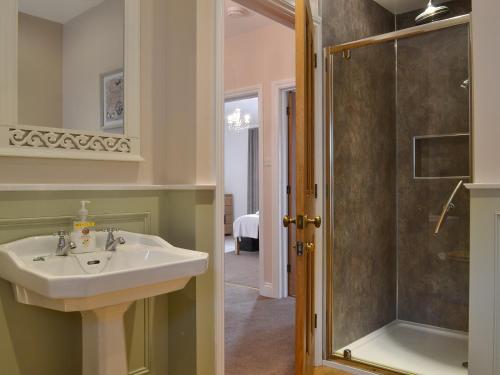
{"x": 328, "y": 86}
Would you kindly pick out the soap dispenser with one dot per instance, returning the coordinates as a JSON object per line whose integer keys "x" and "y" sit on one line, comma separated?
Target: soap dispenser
{"x": 83, "y": 234}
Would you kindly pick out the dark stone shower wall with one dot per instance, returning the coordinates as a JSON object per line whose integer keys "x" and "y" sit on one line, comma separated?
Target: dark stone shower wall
{"x": 348, "y": 20}
{"x": 433, "y": 284}
{"x": 364, "y": 269}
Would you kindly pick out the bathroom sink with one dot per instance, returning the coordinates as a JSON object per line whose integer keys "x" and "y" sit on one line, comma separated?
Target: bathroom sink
{"x": 101, "y": 285}
{"x": 85, "y": 281}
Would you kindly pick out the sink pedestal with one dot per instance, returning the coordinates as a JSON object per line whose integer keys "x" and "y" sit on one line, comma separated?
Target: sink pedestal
{"x": 100, "y": 285}
{"x": 103, "y": 333}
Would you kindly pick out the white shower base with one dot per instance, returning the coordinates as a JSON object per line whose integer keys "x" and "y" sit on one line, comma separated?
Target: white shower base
{"x": 413, "y": 348}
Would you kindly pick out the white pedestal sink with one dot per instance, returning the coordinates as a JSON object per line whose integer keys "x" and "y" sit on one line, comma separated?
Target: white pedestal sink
{"x": 101, "y": 285}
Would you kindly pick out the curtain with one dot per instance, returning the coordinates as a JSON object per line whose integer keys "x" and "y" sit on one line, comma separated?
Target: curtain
{"x": 253, "y": 171}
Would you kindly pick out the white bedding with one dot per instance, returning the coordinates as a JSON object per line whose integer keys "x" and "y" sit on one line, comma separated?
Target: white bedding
{"x": 246, "y": 226}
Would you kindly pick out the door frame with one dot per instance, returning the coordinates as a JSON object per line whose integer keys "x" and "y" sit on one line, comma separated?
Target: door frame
{"x": 242, "y": 93}
{"x": 219, "y": 190}
{"x": 279, "y": 90}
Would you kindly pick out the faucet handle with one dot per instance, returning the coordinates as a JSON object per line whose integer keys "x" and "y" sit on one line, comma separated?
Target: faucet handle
{"x": 110, "y": 230}
{"x": 61, "y": 233}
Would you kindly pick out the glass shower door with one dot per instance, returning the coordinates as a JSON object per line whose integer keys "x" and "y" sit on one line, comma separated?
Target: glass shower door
{"x": 400, "y": 145}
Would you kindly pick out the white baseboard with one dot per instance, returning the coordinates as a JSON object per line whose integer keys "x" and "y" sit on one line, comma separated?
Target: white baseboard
{"x": 267, "y": 290}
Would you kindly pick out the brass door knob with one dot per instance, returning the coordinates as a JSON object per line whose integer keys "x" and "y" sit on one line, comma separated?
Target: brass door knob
{"x": 287, "y": 220}
{"x": 316, "y": 221}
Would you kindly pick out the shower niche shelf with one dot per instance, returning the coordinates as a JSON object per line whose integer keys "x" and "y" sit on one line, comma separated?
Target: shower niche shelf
{"x": 441, "y": 156}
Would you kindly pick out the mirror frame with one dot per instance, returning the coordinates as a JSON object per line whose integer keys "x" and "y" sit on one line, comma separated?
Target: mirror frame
{"x": 37, "y": 141}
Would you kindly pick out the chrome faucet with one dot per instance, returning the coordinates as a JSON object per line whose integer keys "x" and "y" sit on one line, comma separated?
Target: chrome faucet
{"x": 63, "y": 246}
{"x": 111, "y": 241}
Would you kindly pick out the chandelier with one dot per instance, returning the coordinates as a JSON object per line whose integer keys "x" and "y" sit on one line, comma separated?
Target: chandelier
{"x": 238, "y": 122}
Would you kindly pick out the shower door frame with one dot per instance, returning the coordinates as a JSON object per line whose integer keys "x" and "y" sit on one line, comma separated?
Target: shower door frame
{"x": 328, "y": 87}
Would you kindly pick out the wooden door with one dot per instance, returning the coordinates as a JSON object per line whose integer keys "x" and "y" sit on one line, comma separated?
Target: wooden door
{"x": 306, "y": 220}
{"x": 291, "y": 157}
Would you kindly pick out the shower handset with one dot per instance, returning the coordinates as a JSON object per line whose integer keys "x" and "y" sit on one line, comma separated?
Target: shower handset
{"x": 447, "y": 207}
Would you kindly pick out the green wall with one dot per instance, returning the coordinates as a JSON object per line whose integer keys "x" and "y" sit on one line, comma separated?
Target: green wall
{"x": 165, "y": 335}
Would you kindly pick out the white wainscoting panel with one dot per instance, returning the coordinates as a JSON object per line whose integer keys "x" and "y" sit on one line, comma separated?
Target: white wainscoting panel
{"x": 484, "y": 310}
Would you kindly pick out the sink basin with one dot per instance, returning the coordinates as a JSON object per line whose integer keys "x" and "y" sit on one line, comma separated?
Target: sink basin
{"x": 101, "y": 285}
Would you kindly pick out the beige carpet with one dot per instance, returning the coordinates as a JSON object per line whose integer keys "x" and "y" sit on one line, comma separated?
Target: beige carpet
{"x": 259, "y": 333}
{"x": 242, "y": 269}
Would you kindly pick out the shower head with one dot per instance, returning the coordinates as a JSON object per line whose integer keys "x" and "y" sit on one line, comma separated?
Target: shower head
{"x": 431, "y": 12}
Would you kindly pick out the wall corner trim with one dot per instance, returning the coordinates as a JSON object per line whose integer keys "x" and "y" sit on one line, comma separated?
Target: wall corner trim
{"x": 483, "y": 186}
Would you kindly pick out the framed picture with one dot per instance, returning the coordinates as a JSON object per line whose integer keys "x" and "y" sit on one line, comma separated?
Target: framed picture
{"x": 112, "y": 100}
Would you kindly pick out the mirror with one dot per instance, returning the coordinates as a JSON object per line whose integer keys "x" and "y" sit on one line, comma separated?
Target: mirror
{"x": 71, "y": 64}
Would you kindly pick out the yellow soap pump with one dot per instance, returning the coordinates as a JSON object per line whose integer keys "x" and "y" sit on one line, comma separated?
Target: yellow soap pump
{"x": 83, "y": 234}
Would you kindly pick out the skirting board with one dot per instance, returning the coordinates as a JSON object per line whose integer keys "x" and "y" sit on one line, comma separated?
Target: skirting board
{"x": 267, "y": 290}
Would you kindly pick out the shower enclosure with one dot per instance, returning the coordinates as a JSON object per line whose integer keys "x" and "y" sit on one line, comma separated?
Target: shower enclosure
{"x": 399, "y": 125}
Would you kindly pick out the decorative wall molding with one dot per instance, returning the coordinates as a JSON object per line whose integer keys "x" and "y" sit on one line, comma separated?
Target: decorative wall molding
{"x": 20, "y": 140}
{"x": 484, "y": 299}
{"x": 105, "y": 187}
{"x": 64, "y": 140}
{"x": 496, "y": 297}
{"x": 281, "y": 11}
{"x": 148, "y": 339}
{"x": 483, "y": 186}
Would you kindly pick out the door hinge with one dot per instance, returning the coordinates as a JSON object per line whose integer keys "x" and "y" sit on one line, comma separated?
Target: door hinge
{"x": 288, "y": 190}
{"x": 300, "y": 248}
{"x": 315, "y": 60}
{"x": 315, "y": 320}
{"x": 288, "y": 111}
{"x": 288, "y": 268}
{"x": 315, "y": 190}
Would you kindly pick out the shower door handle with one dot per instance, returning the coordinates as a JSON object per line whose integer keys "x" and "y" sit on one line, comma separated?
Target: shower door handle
{"x": 316, "y": 221}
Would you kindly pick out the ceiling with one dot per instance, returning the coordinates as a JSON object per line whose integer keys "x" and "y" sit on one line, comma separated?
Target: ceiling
{"x": 57, "y": 10}
{"x": 239, "y": 25}
{"x": 64, "y": 10}
{"x": 403, "y": 6}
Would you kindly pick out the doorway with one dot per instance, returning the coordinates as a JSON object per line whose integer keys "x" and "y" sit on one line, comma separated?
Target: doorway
{"x": 259, "y": 323}
{"x": 242, "y": 188}
{"x": 284, "y": 13}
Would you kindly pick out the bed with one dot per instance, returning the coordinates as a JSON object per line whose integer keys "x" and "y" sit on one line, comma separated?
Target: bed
{"x": 246, "y": 232}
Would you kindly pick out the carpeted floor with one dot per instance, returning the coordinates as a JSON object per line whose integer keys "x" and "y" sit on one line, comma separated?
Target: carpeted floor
{"x": 259, "y": 333}
{"x": 242, "y": 269}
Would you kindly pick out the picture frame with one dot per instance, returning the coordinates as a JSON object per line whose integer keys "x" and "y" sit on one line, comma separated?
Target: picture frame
{"x": 112, "y": 100}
